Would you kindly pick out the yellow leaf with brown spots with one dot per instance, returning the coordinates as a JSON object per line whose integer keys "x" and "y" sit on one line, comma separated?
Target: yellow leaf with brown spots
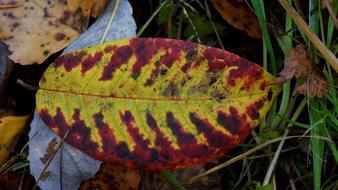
{"x": 34, "y": 29}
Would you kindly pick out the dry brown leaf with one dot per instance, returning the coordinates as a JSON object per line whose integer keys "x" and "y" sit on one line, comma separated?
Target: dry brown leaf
{"x": 98, "y": 7}
{"x": 315, "y": 86}
{"x": 34, "y": 29}
{"x": 298, "y": 64}
{"x": 113, "y": 176}
{"x": 239, "y": 15}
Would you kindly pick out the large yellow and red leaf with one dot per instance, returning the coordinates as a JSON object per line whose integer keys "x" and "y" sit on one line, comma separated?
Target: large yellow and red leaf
{"x": 154, "y": 103}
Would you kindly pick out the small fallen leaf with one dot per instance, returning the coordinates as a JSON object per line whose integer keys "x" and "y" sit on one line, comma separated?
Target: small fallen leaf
{"x": 298, "y": 64}
{"x": 239, "y": 15}
{"x": 315, "y": 86}
{"x": 113, "y": 176}
{"x": 154, "y": 103}
{"x": 36, "y": 29}
{"x": 10, "y": 128}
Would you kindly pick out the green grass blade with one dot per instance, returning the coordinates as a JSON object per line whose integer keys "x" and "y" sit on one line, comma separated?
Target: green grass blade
{"x": 172, "y": 180}
{"x": 330, "y": 24}
{"x": 317, "y": 145}
{"x": 260, "y": 12}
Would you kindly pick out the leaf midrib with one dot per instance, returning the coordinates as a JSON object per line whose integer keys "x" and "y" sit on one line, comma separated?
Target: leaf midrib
{"x": 157, "y": 99}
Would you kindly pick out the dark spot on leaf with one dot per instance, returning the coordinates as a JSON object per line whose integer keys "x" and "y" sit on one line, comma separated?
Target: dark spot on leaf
{"x": 46, "y": 52}
{"x": 14, "y": 26}
{"x": 120, "y": 56}
{"x": 91, "y": 61}
{"x": 253, "y": 109}
{"x": 70, "y": 61}
{"x": 59, "y": 36}
{"x": 122, "y": 150}
{"x": 45, "y": 12}
{"x": 151, "y": 121}
{"x": 186, "y": 141}
{"x": 212, "y": 81}
{"x": 263, "y": 85}
{"x": 214, "y": 138}
{"x": 163, "y": 71}
{"x": 171, "y": 90}
{"x": 231, "y": 122}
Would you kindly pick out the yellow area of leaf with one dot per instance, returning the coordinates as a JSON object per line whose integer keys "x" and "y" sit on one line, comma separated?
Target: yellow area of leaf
{"x": 34, "y": 29}
{"x": 10, "y": 128}
{"x": 239, "y": 15}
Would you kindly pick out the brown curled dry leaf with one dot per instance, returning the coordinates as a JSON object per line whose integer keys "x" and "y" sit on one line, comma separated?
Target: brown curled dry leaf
{"x": 113, "y": 176}
{"x": 36, "y": 29}
{"x": 298, "y": 64}
{"x": 239, "y": 15}
{"x": 315, "y": 86}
